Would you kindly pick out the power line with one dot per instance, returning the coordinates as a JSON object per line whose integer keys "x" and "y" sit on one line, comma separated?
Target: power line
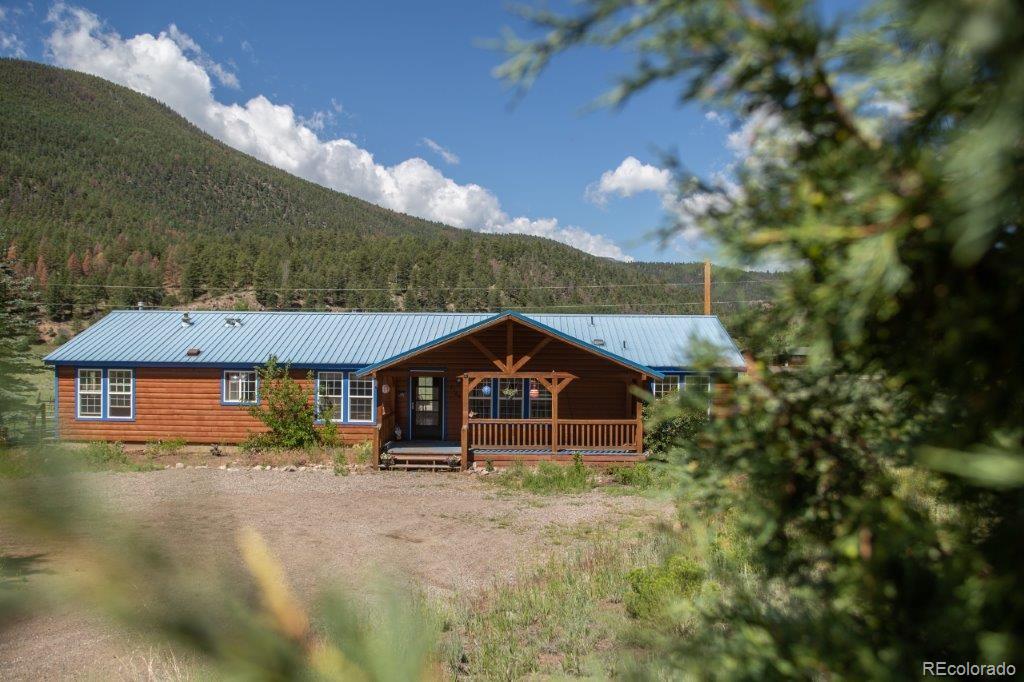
{"x": 513, "y": 287}
{"x": 576, "y": 306}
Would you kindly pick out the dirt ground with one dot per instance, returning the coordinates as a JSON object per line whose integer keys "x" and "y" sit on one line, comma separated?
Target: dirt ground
{"x": 452, "y": 535}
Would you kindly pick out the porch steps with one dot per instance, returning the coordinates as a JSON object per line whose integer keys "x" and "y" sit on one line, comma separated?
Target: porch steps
{"x": 427, "y": 455}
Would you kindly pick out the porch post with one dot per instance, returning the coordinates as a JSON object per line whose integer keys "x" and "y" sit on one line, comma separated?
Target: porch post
{"x": 554, "y": 414}
{"x": 639, "y": 407}
{"x": 464, "y": 445}
{"x": 468, "y": 384}
{"x": 378, "y": 423}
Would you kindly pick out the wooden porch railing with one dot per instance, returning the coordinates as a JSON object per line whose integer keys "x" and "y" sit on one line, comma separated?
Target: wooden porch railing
{"x": 572, "y": 434}
{"x": 597, "y": 434}
{"x": 509, "y": 433}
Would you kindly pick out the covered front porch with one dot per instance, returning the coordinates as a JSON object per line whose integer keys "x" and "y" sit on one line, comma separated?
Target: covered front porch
{"x": 541, "y": 397}
{"x": 543, "y": 438}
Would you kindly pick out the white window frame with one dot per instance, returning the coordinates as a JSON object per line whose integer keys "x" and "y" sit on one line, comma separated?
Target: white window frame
{"x": 79, "y": 393}
{"x": 130, "y": 393}
{"x": 350, "y": 397}
{"x": 332, "y": 377}
{"x": 502, "y": 399}
{"x": 477, "y": 395}
{"x": 226, "y": 382}
{"x": 531, "y": 383}
{"x": 663, "y": 387}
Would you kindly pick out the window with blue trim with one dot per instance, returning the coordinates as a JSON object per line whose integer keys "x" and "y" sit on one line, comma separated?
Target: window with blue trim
{"x": 540, "y": 401}
{"x": 120, "y": 389}
{"x": 480, "y": 400}
{"x": 360, "y": 400}
{"x": 240, "y": 387}
{"x": 330, "y": 395}
{"x": 90, "y": 393}
{"x": 510, "y": 399}
{"x": 663, "y": 387}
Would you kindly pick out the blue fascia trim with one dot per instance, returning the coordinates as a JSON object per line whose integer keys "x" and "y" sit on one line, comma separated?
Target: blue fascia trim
{"x": 510, "y": 314}
{"x": 197, "y": 365}
{"x": 224, "y": 387}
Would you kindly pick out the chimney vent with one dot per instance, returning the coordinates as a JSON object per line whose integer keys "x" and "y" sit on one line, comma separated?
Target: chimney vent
{"x": 186, "y": 320}
{"x": 140, "y": 305}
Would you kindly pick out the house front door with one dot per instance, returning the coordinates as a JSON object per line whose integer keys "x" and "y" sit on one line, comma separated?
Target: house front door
{"x": 426, "y": 407}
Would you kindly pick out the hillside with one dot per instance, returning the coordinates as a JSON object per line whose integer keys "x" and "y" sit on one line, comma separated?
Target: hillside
{"x": 108, "y": 197}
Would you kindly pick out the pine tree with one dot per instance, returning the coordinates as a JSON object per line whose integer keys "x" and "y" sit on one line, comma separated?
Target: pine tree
{"x": 18, "y": 316}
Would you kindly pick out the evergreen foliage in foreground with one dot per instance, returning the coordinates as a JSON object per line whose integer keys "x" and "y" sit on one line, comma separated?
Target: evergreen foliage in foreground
{"x": 18, "y": 315}
{"x": 109, "y": 198}
{"x": 886, "y": 163}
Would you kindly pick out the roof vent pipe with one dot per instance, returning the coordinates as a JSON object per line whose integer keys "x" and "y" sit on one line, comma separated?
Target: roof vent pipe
{"x": 623, "y": 344}
{"x": 591, "y": 320}
{"x": 186, "y": 320}
{"x": 140, "y": 305}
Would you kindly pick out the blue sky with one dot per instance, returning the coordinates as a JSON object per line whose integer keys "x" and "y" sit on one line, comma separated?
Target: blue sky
{"x": 387, "y": 77}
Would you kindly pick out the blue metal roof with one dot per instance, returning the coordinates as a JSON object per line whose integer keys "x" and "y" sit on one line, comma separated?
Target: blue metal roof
{"x": 317, "y": 339}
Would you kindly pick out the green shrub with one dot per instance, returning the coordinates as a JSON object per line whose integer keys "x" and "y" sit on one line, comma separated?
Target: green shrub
{"x": 668, "y": 423}
{"x": 548, "y": 478}
{"x": 104, "y": 455}
{"x": 340, "y": 462}
{"x": 328, "y": 434}
{"x": 169, "y": 447}
{"x": 255, "y": 443}
{"x": 285, "y": 407}
{"x": 652, "y": 589}
{"x": 642, "y": 476}
{"x": 363, "y": 451}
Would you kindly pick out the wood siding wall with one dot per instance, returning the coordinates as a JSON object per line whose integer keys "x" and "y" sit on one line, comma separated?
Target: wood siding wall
{"x": 174, "y": 403}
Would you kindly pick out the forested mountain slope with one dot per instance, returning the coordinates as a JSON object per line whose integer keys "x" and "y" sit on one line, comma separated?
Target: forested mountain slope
{"x": 108, "y": 197}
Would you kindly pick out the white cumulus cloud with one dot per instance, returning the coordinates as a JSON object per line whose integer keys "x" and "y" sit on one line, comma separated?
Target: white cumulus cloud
{"x": 175, "y": 71}
{"x": 629, "y": 178}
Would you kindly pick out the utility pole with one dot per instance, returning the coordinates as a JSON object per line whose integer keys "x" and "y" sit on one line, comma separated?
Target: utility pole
{"x": 707, "y": 287}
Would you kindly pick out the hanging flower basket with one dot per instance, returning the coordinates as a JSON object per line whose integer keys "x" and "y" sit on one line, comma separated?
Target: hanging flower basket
{"x": 510, "y": 392}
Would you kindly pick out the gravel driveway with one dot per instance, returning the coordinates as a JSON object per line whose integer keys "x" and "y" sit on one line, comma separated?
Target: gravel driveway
{"x": 451, "y": 534}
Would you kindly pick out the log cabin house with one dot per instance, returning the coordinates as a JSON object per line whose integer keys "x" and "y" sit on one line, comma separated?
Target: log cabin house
{"x": 424, "y": 388}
